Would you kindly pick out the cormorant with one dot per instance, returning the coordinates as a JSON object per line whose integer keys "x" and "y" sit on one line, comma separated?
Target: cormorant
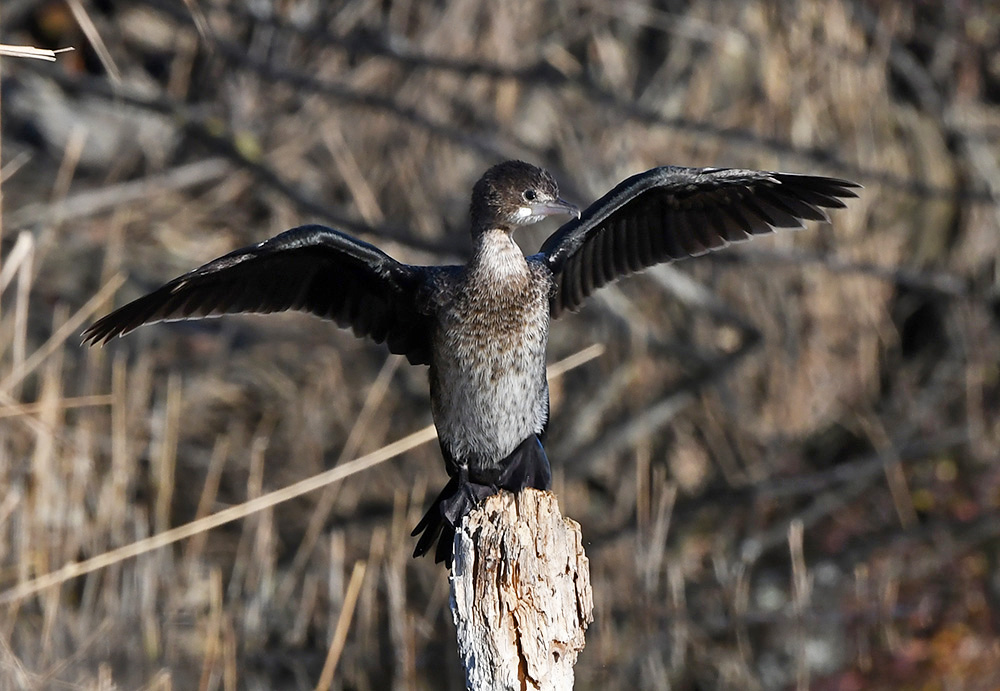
{"x": 483, "y": 327}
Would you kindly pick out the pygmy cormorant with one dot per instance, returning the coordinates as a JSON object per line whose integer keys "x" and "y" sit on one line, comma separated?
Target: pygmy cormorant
{"x": 483, "y": 327}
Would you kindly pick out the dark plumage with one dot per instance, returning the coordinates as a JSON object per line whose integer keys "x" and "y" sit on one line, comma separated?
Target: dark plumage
{"x": 483, "y": 327}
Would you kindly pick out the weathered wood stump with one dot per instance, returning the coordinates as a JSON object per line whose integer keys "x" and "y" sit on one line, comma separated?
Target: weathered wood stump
{"x": 520, "y": 593}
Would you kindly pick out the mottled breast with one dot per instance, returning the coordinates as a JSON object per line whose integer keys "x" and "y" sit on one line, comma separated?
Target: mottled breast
{"x": 488, "y": 387}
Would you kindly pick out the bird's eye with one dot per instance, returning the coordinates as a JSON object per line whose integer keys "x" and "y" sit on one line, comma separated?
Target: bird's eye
{"x": 530, "y": 195}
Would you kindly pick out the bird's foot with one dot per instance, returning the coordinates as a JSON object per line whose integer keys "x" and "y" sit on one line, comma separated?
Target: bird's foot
{"x": 526, "y": 466}
{"x": 455, "y": 501}
{"x": 467, "y": 496}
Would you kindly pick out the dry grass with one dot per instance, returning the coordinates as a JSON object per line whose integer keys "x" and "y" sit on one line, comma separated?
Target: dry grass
{"x": 817, "y": 512}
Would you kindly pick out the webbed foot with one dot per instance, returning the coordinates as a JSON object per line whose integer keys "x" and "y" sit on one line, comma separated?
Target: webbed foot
{"x": 452, "y": 504}
{"x": 526, "y": 466}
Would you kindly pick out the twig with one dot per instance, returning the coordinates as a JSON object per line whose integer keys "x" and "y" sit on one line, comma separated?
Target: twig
{"x": 801, "y": 594}
{"x": 19, "y": 409}
{"x": 96, "y": 42}
{"x": 10, "y": 51}
{"x": 343, "y": 623}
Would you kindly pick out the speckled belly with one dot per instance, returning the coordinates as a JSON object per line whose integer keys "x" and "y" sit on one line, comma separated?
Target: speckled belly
{"x": 488, "y": 384}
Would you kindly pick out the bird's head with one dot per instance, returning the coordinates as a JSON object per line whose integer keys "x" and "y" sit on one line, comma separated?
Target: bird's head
{"x": 515, "y": 193}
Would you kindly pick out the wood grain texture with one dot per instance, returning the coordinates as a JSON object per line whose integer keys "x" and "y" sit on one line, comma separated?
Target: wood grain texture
{"x": 520, "y": 593}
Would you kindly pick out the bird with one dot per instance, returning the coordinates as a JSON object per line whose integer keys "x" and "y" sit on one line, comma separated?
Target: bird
{"x": 482, "y": 327}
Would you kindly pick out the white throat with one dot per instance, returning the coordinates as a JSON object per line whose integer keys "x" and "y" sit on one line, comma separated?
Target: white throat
{"x": 500, "y": 256}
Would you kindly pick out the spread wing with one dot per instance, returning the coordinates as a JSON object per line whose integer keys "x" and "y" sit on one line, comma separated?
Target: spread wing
{"x": 670, "y": 213}
{"x": 310, "y": 268}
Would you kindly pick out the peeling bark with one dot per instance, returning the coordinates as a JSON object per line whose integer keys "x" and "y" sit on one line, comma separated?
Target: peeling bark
{"x": 520, "y": 594}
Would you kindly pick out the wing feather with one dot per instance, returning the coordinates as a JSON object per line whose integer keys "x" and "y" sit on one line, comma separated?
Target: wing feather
{"x": 671, "y": 213}
{"x": 312, "y": 269}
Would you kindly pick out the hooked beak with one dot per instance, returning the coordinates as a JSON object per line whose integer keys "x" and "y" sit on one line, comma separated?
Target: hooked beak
{"x": 555, "y": 208}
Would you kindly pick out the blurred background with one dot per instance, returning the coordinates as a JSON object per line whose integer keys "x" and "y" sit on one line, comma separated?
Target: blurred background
{"x": 784, "y": 463}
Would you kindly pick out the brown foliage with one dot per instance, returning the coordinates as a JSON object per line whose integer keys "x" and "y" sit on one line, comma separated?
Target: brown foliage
{"x": 868, "y": 415}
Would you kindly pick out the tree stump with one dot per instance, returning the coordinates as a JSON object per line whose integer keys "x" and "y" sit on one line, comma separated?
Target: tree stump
{"x": 520, "y": 593}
